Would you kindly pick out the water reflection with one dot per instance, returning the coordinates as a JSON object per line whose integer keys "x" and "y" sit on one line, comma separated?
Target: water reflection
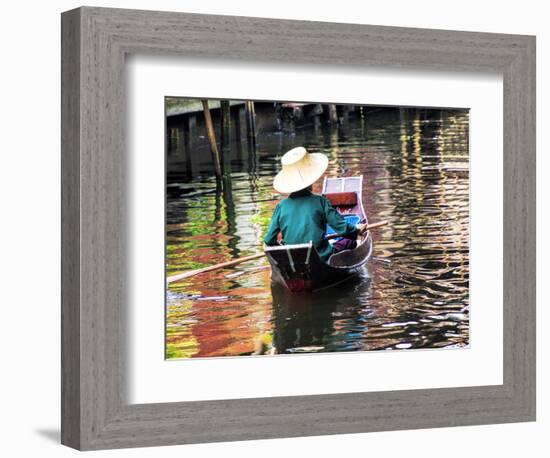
{"x": 415, "y": 291}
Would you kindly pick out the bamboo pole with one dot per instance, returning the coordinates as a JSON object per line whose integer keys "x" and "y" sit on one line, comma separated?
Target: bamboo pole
{"x": 192, "y": 273}
{"x": 212, "y": 139}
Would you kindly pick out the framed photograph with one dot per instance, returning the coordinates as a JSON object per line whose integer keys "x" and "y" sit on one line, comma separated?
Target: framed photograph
{"x": 288, "y": 228}
{"x": 254, "y": 264}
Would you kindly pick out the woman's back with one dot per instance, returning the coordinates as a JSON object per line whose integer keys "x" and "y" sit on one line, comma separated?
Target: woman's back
{"x": 303, "y": 217}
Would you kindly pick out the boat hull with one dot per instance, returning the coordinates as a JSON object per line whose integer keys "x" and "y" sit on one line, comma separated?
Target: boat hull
{"x": 300, "y": 269}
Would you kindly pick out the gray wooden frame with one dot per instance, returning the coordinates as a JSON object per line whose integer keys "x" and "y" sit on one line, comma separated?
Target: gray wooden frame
{"x": 95, "y": 413}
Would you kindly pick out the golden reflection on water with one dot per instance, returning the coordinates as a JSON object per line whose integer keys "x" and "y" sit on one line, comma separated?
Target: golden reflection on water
{"x": 414, "y": 293}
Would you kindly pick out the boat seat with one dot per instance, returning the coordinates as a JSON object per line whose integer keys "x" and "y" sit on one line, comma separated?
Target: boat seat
{"x": 342, "y": 199}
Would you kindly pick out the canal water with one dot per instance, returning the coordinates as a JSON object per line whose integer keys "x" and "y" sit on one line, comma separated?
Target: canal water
{"x": 414, "y": 291}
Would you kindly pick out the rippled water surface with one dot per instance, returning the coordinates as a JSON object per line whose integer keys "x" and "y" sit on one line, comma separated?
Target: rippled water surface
{"x": 413, "y": 292}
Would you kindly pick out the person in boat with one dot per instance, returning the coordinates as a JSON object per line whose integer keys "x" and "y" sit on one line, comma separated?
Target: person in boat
{"x": 303, "y": 216}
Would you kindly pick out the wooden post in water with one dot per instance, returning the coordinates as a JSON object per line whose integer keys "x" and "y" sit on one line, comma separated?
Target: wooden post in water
{"x": 239, "y": 123}
{"x": 253, "y": 110}
{"x": 181, "y": 140}
{"x": 251, "y": 124}
{"x": 363, "y": 119}
{"x": 316, "y": 124}
{"x": 212, "y": 139}
{"x": 225, "y": 123}
{"x": 170, "y": 140}
{"x": 333, "y": 114}
{"x": 190, "y": 129}
{"x": 345, "y": 114}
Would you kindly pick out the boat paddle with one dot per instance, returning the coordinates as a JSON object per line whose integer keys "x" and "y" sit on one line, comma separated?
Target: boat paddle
{"x": 192, "y": 273}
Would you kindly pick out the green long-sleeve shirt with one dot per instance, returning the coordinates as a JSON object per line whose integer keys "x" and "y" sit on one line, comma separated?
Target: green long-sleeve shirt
{"x": 303, "y": 216}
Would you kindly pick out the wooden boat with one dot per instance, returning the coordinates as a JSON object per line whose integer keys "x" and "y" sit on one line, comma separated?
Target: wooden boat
{"x": 299, "y": 267}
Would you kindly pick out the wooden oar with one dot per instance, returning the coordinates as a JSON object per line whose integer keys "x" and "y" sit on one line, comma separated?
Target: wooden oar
{"x": 368, "y": 228}
{"x": 191, "y": 273}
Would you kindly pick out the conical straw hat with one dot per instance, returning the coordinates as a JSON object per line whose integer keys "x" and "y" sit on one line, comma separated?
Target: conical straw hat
{"x": 300, "y": 170}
